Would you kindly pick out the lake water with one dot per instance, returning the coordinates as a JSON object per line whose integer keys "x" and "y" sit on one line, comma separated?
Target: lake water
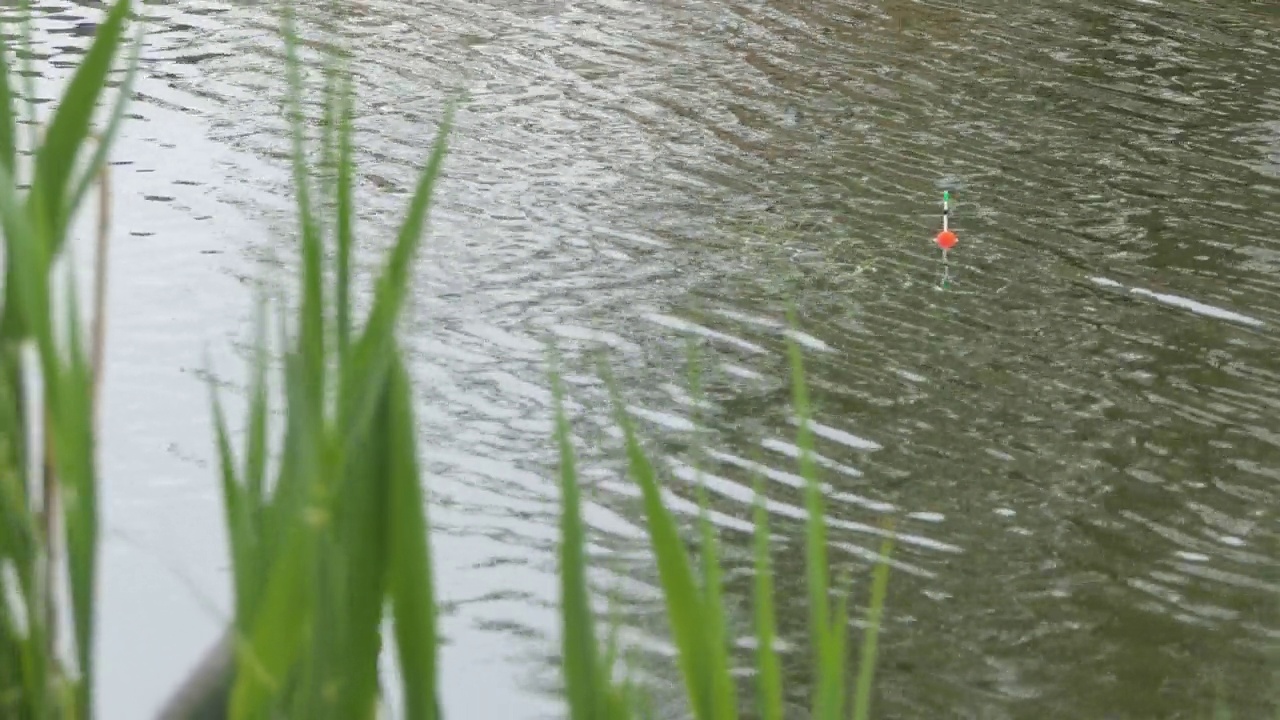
{"x": 1079, "y": 434}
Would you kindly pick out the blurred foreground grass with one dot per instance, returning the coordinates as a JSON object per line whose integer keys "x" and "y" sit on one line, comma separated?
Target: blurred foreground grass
{"x": 327, "y": 520}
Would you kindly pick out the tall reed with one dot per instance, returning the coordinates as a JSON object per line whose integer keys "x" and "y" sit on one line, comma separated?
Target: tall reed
{"x": 334, "y": 541}
{"x": 49, "y": 373}
{"x": 692, "y": 593}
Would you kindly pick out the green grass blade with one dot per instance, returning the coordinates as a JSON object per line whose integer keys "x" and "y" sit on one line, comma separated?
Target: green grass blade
{"x": 625, "y": 699}
{"x": 311, "y": 307}
{"x": 683, "y": 601}
{"x": 27, "y": 306}
{"x": 329, "y": 126}
{"x": 815, "y": 533}
{"x": 115, "y": 120}
{"x": 615, "y": 700}
{"x": 20, "y": 548}
{"x": 411, "y": 585}
{"x": 580, "y": 662}
{"x": 360, "y": 557}
{"x": 17, "y": 528}
{"x": 69, "y": 397}
{"x": 257, "y": 440}
{"x": 346, "y": 214}
{"x": 369, "y": 360}
{"x": 70, "y": 124}
{"x": 870, "y": 638}
{"x": 277, "y": 629}
{"x": 334, "y": 677}
{"x": 25, "y": 667}
{"x": 768, "y": 669}
{"x": 835, "y": 659}
{"x": 240, "y": 532}
{"x": 393, "y": 284}
{"x": 294, "y": 476}
{"x": 356, "y": 563}
{"x": 723, "y": 700}
{"x": 13, "y": 404}
{"x": 298, "y": 516}
{"x": 27, "y": 278}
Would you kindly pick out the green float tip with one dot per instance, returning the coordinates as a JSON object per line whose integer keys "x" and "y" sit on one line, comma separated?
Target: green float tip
{"x": 946, "y": 196}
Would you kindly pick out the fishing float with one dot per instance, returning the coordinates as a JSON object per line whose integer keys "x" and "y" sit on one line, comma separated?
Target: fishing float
{"x": 946, "y": 239}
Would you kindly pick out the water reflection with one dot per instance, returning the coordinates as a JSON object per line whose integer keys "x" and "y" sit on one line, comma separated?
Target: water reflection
{"x": 1077, "y": 438}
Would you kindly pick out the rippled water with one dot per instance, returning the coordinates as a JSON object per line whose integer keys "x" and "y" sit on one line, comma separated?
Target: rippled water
{"x": 1078, "y": 435}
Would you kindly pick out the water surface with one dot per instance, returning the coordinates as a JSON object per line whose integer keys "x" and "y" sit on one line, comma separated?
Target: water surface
{"x": 1078, "y": 435}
